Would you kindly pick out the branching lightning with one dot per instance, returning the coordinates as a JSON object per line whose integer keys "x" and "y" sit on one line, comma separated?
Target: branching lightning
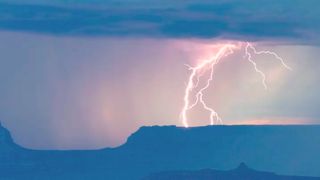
{"x": 223, "y": 51}
{"x": 249, "y": 56}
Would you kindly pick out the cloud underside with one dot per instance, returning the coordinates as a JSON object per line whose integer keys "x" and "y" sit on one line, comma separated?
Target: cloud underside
{"x": 228, "y": 20}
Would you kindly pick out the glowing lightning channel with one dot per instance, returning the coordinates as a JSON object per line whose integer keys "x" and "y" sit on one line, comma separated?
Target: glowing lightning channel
{"x": 197, "y": 71}
{"x": 249, "y": 55}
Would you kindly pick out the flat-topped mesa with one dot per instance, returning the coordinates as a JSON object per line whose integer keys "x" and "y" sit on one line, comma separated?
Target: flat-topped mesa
{"x": 222, "y": 134}
{"x": 282, "y": 149}
{"x": 265, "y": 147}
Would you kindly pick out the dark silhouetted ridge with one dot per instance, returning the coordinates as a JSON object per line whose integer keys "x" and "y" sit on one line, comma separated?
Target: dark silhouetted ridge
{"x": 242, "y": 172}
{"x": 7, "y": 144}
{"x": 288, "y": 150}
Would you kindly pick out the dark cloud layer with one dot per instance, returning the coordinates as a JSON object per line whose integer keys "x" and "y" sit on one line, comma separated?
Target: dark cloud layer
{"x": 294, "y": 20}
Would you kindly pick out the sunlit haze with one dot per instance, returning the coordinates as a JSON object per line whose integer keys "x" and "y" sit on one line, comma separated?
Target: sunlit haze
{"x": 78, "y": 92}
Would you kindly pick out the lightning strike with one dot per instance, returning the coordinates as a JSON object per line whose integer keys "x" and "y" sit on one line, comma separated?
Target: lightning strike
{"x": 254, "y": 50}
{"x": 223, "y": 51}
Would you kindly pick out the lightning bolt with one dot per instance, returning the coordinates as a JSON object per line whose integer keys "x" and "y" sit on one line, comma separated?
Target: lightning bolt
{"x": 254, "y": 50}
{"x": 223, "y": 51}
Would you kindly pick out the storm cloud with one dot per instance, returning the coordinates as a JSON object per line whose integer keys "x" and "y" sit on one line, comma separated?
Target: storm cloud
{"x": 85, "y": 74}
{"x": 294, "y": 20}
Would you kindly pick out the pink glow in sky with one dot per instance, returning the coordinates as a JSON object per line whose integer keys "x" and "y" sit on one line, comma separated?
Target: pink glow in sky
{"x": 75, "y": 93}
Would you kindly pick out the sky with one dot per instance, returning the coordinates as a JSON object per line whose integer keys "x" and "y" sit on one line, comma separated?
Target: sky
{"x": 86, "y": 74}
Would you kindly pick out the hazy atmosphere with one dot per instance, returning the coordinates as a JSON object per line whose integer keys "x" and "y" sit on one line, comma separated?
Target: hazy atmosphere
{"x": 75, "y": 77}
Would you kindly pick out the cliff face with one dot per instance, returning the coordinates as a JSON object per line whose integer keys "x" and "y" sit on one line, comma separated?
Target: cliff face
{"x": 6, "y": 142}
{"x": 10, "y": 153}
{"x": 292, "y": 150}
{"x": 288, "y": 150}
